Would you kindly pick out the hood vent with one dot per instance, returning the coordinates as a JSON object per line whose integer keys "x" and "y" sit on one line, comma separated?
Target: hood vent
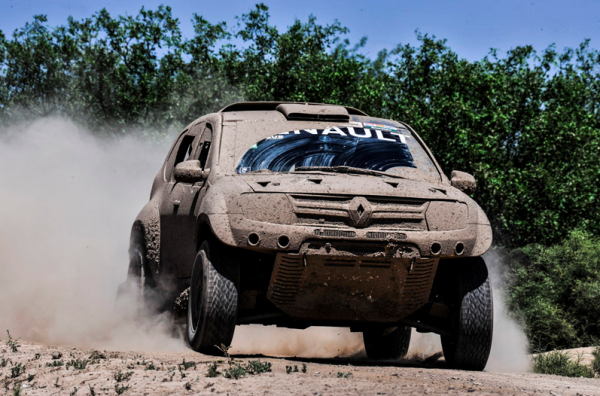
{"x": 306, "y": 112}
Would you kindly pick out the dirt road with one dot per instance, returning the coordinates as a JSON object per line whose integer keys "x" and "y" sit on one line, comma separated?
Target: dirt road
{"x": 164, "y": 373}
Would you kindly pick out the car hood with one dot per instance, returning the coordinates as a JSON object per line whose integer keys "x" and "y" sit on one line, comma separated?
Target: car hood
{"x": 351, "y": 185}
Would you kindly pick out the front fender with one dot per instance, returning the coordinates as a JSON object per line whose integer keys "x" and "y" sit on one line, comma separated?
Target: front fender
{"x": 217, "y": 206}
{"x": 484, "y": 234}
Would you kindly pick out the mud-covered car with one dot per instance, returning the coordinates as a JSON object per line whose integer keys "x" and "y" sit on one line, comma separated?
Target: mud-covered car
{"x": 298, "y": 215}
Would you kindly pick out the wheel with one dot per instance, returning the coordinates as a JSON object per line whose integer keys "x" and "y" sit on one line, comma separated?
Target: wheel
{"x": 139, "y": 293}
{"x": 381, "y": 343}
{"x": 213, "y": 300}
{"x": 469, "y": 344}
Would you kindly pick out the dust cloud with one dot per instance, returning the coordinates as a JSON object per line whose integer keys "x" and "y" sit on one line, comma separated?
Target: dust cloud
{"x": 67, "y": 203}
{"x": 510, "y": 347}
{"x": 317, "y": 342}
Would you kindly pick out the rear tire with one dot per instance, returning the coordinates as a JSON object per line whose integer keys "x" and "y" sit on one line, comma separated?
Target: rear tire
{"x": 213, "y": 299}
{"x": 469, "y": 345}
{"x": 393, "y": 345}
{"x": 139, "y": 291}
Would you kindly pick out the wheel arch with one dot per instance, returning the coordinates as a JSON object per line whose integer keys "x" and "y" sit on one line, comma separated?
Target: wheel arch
{"x": 216, "y": 225}
{"x": 146, "y": 230}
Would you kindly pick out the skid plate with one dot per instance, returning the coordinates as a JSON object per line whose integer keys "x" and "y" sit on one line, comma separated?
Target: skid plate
{"x": 364, "y": 289}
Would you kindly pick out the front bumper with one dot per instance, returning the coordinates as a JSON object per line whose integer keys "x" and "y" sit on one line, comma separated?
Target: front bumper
{"x": 426, "y": 244}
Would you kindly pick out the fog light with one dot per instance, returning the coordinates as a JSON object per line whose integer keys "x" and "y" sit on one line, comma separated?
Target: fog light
{"x": 253, "y": 239}
{"x": 283, "y": 241}
{"x": 436, "y": 248}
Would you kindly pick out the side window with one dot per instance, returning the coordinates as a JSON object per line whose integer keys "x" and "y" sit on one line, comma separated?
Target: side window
{"x": 204, "y": 146}
{"x": 185, "y": 149}
{"x": 180, "y": 152}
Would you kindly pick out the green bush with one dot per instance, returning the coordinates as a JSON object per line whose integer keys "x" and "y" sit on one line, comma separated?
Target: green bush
{"x": 560, "y": 363}
{"x": 596, "y": 360}
{"x": 556, "y": 291}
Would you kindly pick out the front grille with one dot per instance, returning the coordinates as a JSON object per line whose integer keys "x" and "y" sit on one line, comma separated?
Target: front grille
{"x": 334, "y": 210}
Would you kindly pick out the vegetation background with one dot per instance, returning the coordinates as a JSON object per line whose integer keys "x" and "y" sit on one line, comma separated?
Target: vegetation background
{"x": 526, "y": 124}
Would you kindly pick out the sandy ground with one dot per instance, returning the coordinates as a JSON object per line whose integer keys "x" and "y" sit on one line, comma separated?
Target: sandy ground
{"x": 162, "y": 374}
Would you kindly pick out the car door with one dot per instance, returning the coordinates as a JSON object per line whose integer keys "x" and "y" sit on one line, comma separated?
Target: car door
{"x": 177, "y": 217}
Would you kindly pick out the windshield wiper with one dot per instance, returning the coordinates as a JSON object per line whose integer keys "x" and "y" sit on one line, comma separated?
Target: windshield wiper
{"x": 346, "y": 169}
{"x": 260, "y": 171}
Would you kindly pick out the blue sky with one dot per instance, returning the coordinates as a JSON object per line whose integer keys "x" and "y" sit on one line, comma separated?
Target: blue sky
{"x": 471, "y": 27}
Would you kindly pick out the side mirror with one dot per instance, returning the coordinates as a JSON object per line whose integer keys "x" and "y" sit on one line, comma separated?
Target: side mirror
{"x": 188, "y": 172}
{"x": 463, "y": 181}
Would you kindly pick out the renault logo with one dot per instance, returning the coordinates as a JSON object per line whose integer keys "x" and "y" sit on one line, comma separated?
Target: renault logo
{"x": 360, "y": 212}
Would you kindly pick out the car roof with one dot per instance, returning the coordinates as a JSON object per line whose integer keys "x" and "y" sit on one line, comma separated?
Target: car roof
{"x": 277, "y": 105}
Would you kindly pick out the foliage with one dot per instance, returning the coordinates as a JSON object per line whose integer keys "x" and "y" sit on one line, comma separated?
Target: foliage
{"x": 12, "y": 344}
{"x": 596, "y": 360}
{"x": 151, "y": 366}
{"x": 525, "y": 124}
{"x": 186, "y": 365}
{"x": 77, "y": 364}
{"x": 17, "y": 370}
{"x": 213, "y": 370}
{"x": 119, "y": 376}
{"x": 237, "y": 370}
{"x": 55, "y": 363}
{"x": 234, "y": 372}
{"x": 556, "y": 291}
{"x": 120, "y": 389}
{"x": 225, "y": 351}
{"x": 560, "y": 363}
{"x": 255, "y": 367}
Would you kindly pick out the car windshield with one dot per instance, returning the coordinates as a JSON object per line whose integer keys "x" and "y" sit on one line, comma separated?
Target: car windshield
{"x": 384, "y": 150}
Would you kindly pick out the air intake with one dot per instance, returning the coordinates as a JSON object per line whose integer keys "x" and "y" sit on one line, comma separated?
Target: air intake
{"x": 307, "y": 112}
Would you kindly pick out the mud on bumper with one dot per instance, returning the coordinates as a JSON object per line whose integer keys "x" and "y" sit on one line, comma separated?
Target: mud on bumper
{"x": 290, "y": 238}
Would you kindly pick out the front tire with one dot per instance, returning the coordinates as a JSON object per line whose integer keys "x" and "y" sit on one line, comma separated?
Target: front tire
{"x": 387, "y": 345}
{"x": 213, "y": 300}
{"x": 468, "y": 347}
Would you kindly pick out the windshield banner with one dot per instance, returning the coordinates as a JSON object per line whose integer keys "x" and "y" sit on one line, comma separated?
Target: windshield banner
{"x": 364, "y": 148}
{"x": 363, "y": 133}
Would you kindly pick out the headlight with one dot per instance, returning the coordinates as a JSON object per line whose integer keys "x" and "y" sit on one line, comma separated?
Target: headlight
{"x": 446, "y": 216}
{"x": 268, "y": 208}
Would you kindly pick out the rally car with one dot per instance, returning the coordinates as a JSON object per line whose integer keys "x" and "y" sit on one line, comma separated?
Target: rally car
{"x": 304, "y": 214}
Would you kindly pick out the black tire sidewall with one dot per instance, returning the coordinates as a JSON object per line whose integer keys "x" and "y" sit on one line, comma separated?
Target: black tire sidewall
{"x": 198, "y": 296}
{"x": 469, "y": 345}
{"x": 214, "y": 295}
{"x": 392, "y": 346}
